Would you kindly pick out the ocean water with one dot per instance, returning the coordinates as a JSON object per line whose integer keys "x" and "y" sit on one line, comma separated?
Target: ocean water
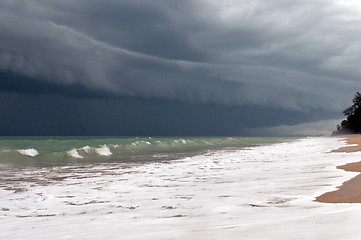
{"x": 55, "y": 151}
{"x": 173, "y": 188}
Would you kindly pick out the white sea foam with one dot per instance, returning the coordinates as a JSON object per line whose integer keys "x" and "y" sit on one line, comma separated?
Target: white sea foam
{"x": 31, "y": 152}
{"x": 74, "y": 153}
{"x": 264, "y": 192}
{"x": 141, "y": 143}
{"x": 86, "y": 149}
{"x": 103, "y": 151}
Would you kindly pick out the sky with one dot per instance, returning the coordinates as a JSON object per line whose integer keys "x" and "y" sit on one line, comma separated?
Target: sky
{"x": 152, "y": 68}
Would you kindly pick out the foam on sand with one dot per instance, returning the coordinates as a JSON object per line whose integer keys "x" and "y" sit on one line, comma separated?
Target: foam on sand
{"x": 350, "y": 191}
{"x": 264, "y": 192}
{"x": 31, "y": 152}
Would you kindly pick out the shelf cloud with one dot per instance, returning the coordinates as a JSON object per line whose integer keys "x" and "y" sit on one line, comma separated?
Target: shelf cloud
{"x": 287, "y": 55}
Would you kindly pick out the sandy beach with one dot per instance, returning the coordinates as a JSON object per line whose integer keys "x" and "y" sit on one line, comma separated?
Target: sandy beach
{"x": 350, "y": 191}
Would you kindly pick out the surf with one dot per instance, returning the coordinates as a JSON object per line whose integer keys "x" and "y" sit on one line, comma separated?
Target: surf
{"x": 43, "y": 151}
{"x": 31, "y": 152}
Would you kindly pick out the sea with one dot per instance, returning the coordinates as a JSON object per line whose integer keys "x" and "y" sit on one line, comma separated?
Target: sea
{"x": 174, "y": 188}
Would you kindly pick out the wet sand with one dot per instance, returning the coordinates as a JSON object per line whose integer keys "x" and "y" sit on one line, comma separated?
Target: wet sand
{"x": 350, "y": 191}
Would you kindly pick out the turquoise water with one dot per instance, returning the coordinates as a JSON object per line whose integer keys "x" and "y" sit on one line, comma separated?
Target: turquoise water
{"x": 49, "y": 151}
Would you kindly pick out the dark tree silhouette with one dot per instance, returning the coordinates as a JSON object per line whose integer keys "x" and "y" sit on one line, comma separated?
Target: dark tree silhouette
{"x": 352, "y": 124}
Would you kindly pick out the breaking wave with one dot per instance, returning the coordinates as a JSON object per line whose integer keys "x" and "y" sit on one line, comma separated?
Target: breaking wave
{"x": 103, "y": 151}
{"x": 65, "y": 150}
{"x": 86, "y": 149}
{"x": 74, "y": 153}
{"x": 31, "y": 152}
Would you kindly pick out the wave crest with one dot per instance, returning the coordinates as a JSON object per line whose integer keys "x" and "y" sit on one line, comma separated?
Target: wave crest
{"x": 31, "y": 152}
{"x": 74, "y": 153}
{"x": 103, "y": 151}
{"x": 86, "y": 149}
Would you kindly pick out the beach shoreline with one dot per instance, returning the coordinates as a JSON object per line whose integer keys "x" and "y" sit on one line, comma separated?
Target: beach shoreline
{"x": 349, "y": 191}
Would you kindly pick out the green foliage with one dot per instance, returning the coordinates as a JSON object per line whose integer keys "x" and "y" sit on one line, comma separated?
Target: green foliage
{"x": 353, "y": 122}
{"x": 356, "y": 104}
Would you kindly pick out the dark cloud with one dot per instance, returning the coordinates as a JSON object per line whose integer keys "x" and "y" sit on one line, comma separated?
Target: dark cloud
{"x": 16, "y": 83}
{"x": 279, "y": 55}
{"x": 57, "y": 115}
{"x": 155, "y": 28}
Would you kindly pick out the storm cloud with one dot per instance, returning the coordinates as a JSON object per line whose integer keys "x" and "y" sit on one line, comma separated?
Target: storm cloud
{"x": 299, "y": 57}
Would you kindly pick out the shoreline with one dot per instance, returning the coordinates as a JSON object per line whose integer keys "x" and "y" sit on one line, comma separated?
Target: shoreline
{"x": 349, "y": 191}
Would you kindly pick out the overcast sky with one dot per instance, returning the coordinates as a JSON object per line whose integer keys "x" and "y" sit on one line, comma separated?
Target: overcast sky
{"x": 200, "y": 67}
